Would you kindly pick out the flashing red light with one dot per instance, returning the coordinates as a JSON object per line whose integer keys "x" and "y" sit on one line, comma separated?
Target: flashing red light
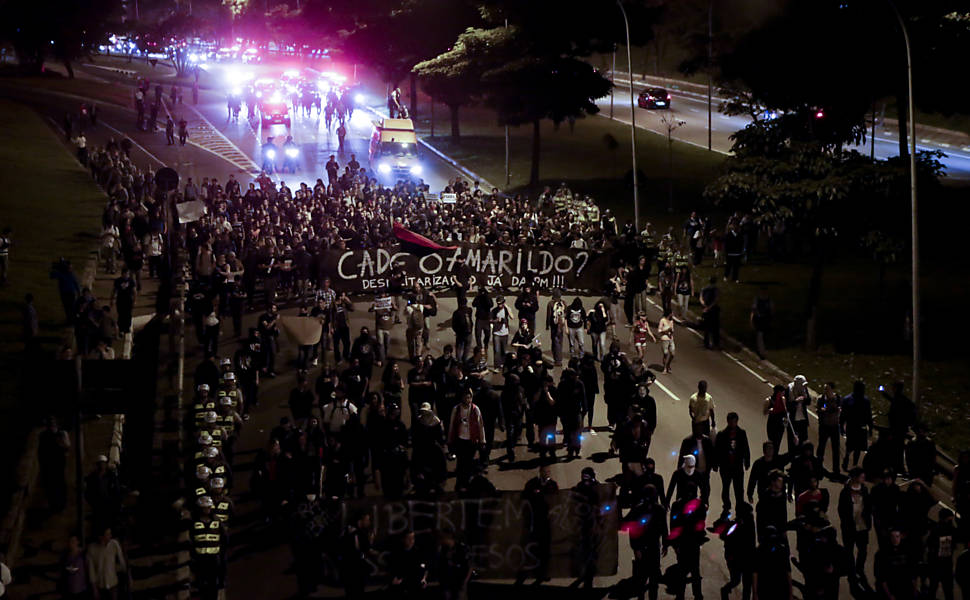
{"x": 819, "y": 114}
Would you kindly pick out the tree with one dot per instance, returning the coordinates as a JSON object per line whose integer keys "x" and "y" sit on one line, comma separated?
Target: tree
{"x": 395, "y": 36}
{"x": 65, "y": 30}
{"x": 779, "y": 171}
{"x": 453, "y": 77}
{"x": 529, "y": 89}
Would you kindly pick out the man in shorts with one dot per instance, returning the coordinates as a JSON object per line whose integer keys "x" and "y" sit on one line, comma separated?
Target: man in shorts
{"x": 665, "y": 329}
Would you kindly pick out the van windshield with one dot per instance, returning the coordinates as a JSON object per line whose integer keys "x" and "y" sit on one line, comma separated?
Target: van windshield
{"x": 401, "y": 149}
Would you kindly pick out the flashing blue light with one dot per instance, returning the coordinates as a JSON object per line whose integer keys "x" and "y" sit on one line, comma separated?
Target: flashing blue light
{"x": 696, "y": 452}
{"x": 643, "y": 521}
{"x": 607, "y": 507}
{"x": 673, "y": 453}
{"x": 731, "y": 529}
{"x": 581, "y": 438}
{"x": 550, "y": 436}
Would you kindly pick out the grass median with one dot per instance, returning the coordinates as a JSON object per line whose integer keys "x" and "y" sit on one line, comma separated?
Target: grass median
{"x": 54, "y": 209}
{"x": 861, "y": 320}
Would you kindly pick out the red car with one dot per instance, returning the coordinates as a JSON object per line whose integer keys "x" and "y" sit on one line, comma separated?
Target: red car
{"x": 654, "y": 98}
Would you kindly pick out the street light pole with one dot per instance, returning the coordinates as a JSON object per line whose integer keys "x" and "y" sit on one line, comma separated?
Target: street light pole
{"x": 633, "y": 120}
{"x": 912, "y": 191}
{"x": 710, "y": 59}
{"x": 508, "y": 142}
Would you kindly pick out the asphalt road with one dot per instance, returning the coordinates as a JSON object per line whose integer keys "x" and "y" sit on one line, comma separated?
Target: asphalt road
{"x": 259, "y": 571}
{"x": 691, "y": 108}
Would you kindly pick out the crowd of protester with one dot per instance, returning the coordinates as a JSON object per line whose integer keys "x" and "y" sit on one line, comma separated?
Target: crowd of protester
{"x": 346, "y": 435}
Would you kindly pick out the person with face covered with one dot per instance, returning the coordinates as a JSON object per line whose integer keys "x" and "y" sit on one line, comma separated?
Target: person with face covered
{"x": 682, "y": 477}
{"x": 365, "y": 350}
{"x": 799, "y": 401}
{"x": 617, "y": 385}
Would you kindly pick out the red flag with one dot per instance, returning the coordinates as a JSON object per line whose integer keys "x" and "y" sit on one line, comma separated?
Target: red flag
{"x": 416, "y": 243}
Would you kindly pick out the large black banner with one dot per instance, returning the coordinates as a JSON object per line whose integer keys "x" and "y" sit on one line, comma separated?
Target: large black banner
{"x": 498, "y": 268}
{"x": 507, "y": 535}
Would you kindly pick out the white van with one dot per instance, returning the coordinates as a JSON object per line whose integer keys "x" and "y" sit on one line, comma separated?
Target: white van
{"x": 393, "y": 149}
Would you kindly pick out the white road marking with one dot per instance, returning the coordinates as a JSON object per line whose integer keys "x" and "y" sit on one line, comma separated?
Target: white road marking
{"x": 139, "y": 146}
{"x": 744, "y": 366}
{"x": 627, "y": 122}
{"x": 666, "y": 391}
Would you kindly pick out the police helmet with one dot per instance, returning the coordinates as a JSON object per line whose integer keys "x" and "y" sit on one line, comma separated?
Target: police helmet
{"x": 226, "y": 401}
{"x": 211, "y": 452}
{"x": 202, "y": 387}
{"x": 203, "y": 472}
{"x": 225, "y": 362}
{"x": 217, "y": 483}
{"x": 205, "y": 502}
{"x": 205, "y": 438}
{"x": 230, "y": 376}
{"x": 210, "y": 416}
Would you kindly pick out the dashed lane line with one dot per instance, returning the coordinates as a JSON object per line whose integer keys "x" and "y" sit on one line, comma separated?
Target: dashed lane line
{"x": 666, "y": 391}
{"x": 744, "y": 366}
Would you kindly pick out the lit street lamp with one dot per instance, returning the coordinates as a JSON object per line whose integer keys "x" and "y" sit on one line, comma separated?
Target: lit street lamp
{"x": 633, "y": 121}
{"x": 912, "y": 190}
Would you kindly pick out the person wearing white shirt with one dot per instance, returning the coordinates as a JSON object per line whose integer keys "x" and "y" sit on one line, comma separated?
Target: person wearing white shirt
{"x": 105, "y": 561}
{"x": 338, "y": 412}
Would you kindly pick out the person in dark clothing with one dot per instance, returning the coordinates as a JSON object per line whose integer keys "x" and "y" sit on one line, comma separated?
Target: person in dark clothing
{"x": 921, "y": 457}
{"x": 856, "y": 422}
{"x": 772, "y": 566}
{"x": 711, "y": 314}
{"x": 740, "y": 540}
{"x": 687, "y": 533}
{"x": 684, "y": 477}
{"x": 732, "y": 458}
{"x": 355, "y": 556}
{"x": 829, "y": 414}
{"x": 391, "y": 455}
{"x": 302, "y": 399}
{"x": 462, "y": 323}
{"x": 895, "y": 569}
{"x": 701, "y": 448}
{"x": 527, "y": 303}
{"x": 537, "y": 493}
{"x": 545, "y": 415}
{"x": 589, "y": 375}
{"x": 804, "y": 466}
{"x": 855, "y": 519}
{"x": 733, "y": 253}
{"x": 772, "y": 508}
{"x": 885, "y": 500}
{"x": 939, "y": 554}
{"x": 52, "y": 448}
{"x": 461, "y": 275}
{"x": 647, "y": 526}
{"x": 341, "y": 326}
{"x": 758, "y": 476}
{"x": 365, "y": 350}
{"x": 617, "y": 385}
{"x": 586, "y": 552}
{"x": 452, "y": 566}
{"x": 571, "y": 403}
{"x": 483, "y": 314}
{"x": 514, "y": 407}
{"x": 902, "y": 417}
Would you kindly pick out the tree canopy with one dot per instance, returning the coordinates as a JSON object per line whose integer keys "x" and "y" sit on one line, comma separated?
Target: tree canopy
{"x": 65, "y": 30}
